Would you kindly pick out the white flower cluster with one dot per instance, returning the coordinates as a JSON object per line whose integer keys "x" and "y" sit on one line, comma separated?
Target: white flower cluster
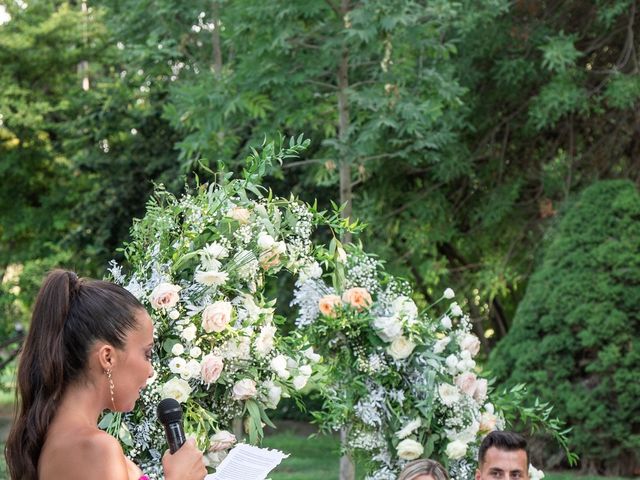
{"x": 199, "y": 265}
{"x": 419, "y": 374}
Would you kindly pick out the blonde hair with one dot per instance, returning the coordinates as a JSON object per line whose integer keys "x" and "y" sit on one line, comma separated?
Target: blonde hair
{"x": 423, "y": 466}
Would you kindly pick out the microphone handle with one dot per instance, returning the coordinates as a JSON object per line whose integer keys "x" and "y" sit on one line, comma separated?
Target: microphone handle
{"x": 175, "y": 436}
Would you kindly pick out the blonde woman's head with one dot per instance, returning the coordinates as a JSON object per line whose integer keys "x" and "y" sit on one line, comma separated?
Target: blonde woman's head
{"x": 423, "y": 469}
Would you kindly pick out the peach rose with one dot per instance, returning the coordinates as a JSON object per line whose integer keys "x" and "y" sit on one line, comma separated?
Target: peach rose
{"x": 211, "y": 368}
{"x": 327, "y": 305}
{"x": 487, "y": 422}
{"x": 164, "y": 296}
{"x": 240, "y": 214}
{"x": 216, "y": 317}
{"x": 357, "y": 297}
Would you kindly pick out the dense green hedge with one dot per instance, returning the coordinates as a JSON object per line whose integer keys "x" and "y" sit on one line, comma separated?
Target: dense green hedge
{"x": 576, "y": 334}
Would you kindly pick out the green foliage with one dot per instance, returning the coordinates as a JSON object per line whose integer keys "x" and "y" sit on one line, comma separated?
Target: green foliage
{"x": 575, "y": 339}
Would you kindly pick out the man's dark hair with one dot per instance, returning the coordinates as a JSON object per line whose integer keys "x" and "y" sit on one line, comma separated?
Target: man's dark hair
{"x": 508, "y": 441}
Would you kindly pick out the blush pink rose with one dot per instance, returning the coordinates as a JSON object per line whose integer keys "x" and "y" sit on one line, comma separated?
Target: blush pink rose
{"x": 466, "y": 383}
{"x": 210, "y": 368}
{"x": 216, "y": 317}
{"x": 164, "y": 296}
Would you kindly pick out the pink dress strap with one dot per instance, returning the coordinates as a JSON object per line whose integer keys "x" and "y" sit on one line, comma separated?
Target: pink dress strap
{"x": 144, "y": 477}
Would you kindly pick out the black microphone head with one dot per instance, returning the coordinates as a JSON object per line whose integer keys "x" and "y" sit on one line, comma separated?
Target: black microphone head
{"x": 169, "y": 411}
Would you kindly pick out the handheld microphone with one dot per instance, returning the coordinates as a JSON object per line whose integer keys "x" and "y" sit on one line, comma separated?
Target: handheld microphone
{"x": 170, "y": 415}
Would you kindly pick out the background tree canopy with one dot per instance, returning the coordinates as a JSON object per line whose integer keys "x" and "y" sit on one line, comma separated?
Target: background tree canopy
{"x": 455, "y": 129}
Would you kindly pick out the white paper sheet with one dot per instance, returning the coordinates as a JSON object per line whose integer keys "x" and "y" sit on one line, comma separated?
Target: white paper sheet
{"x": 247, "y": 462}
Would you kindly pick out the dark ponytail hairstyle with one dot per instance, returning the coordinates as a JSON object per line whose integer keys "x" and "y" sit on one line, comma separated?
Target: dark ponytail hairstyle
{"x": 69, "y": 316}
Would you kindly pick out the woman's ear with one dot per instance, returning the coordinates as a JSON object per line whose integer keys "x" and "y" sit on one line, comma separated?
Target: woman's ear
{"x": 106, "y": 356}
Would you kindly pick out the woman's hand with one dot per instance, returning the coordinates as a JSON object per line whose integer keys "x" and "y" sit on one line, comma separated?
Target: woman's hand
{"x": 186, "y": 464}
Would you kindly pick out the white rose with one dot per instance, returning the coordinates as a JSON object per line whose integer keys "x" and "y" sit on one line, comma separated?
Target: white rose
{"x": 471, "y": 344}
{"x": 535, "y": 474}
{"x": 305, "y": 370}
{"x": 264, "y": 343}
{"x": 388, "y": 328}
{"x": 405, "y": 307}
{"x": 446, "y": 322}
{"x": 177, "y": 365}
{"x": 189, "y": 333}
{"x": 449, "y": 294}
{"x": 191, "y": 369}
{"x": 456, "y": 450}
{"x": 174, "y": 314}
{"x": 279, "y": 366}
{"x": 215, "y": 250}
{"x": 177, "y": 349}
{"x": 299, "y": 381}
{"x": 273, "y": 394}
{"x": 244, "y": 389}
{"x": 176, "y": 388}
{"x": 408, "y": 429}
{"x": 409, "y": 449}
{"x": 441, "y": 344}
{"x": 195, "y": 352}
{"x": 222, "y": 440}
{"x": 164, "y": 296}
{"x": 210, "y": 368}
{"x": 456, "y": 311}
{"x": 466, "y": 383}
{"x": 401, "y": 348}
{"x": 265, "y": 241}
{"x": 211, "y": 278}
{"x": 216, "y": 316}
{"x": 311, "y": 355}
{"x": 449, "y": 394}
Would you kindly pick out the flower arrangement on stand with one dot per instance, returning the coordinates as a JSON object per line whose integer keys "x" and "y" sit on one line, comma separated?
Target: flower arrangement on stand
{"x": 199, "y": 263}
{"x": 403, "y": 384}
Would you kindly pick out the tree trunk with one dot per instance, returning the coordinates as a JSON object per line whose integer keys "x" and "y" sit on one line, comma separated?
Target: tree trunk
{"x": 215, "y": 38}
{"x": 343, "y": 128}
{"x": 347, "y": 468}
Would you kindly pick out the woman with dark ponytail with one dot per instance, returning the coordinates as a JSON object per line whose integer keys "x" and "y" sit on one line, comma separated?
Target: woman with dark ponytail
{"x": 88, "y": 349}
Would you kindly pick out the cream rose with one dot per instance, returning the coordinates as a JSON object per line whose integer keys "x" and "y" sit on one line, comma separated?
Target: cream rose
{"x": 449, "y": 394}
{"x": 265, "y": 241}
{"x": 328, "y": 304}
{"x": 222, "y": 440}
{"x": 401, "y": 348}
{"x": 357, "y": 297}
{"x": 239, "y": 214}
{"x": 164, "y": 296}
{"x": 244, "y": 389}
{"x": 488, "y": 422}
{"x": 210, "y": 368}
{"x": 176, "y": 388}
{"x": 189, "y": 332}
{"x": 456, "y": 450}
{"x": 216, "y": 317}
{"x": 409, "y": 449}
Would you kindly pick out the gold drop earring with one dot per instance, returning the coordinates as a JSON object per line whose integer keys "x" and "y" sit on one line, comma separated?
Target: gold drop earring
{"x": 111, "y": 388}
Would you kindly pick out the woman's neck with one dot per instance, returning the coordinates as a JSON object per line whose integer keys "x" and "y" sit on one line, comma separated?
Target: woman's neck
{"x": 82, "y": 403}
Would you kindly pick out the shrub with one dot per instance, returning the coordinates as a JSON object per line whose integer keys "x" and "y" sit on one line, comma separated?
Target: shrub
{"x": 575, "y": 339}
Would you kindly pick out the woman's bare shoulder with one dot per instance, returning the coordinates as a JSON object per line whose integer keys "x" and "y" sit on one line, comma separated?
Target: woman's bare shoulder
{"x": 81, "y": 453}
